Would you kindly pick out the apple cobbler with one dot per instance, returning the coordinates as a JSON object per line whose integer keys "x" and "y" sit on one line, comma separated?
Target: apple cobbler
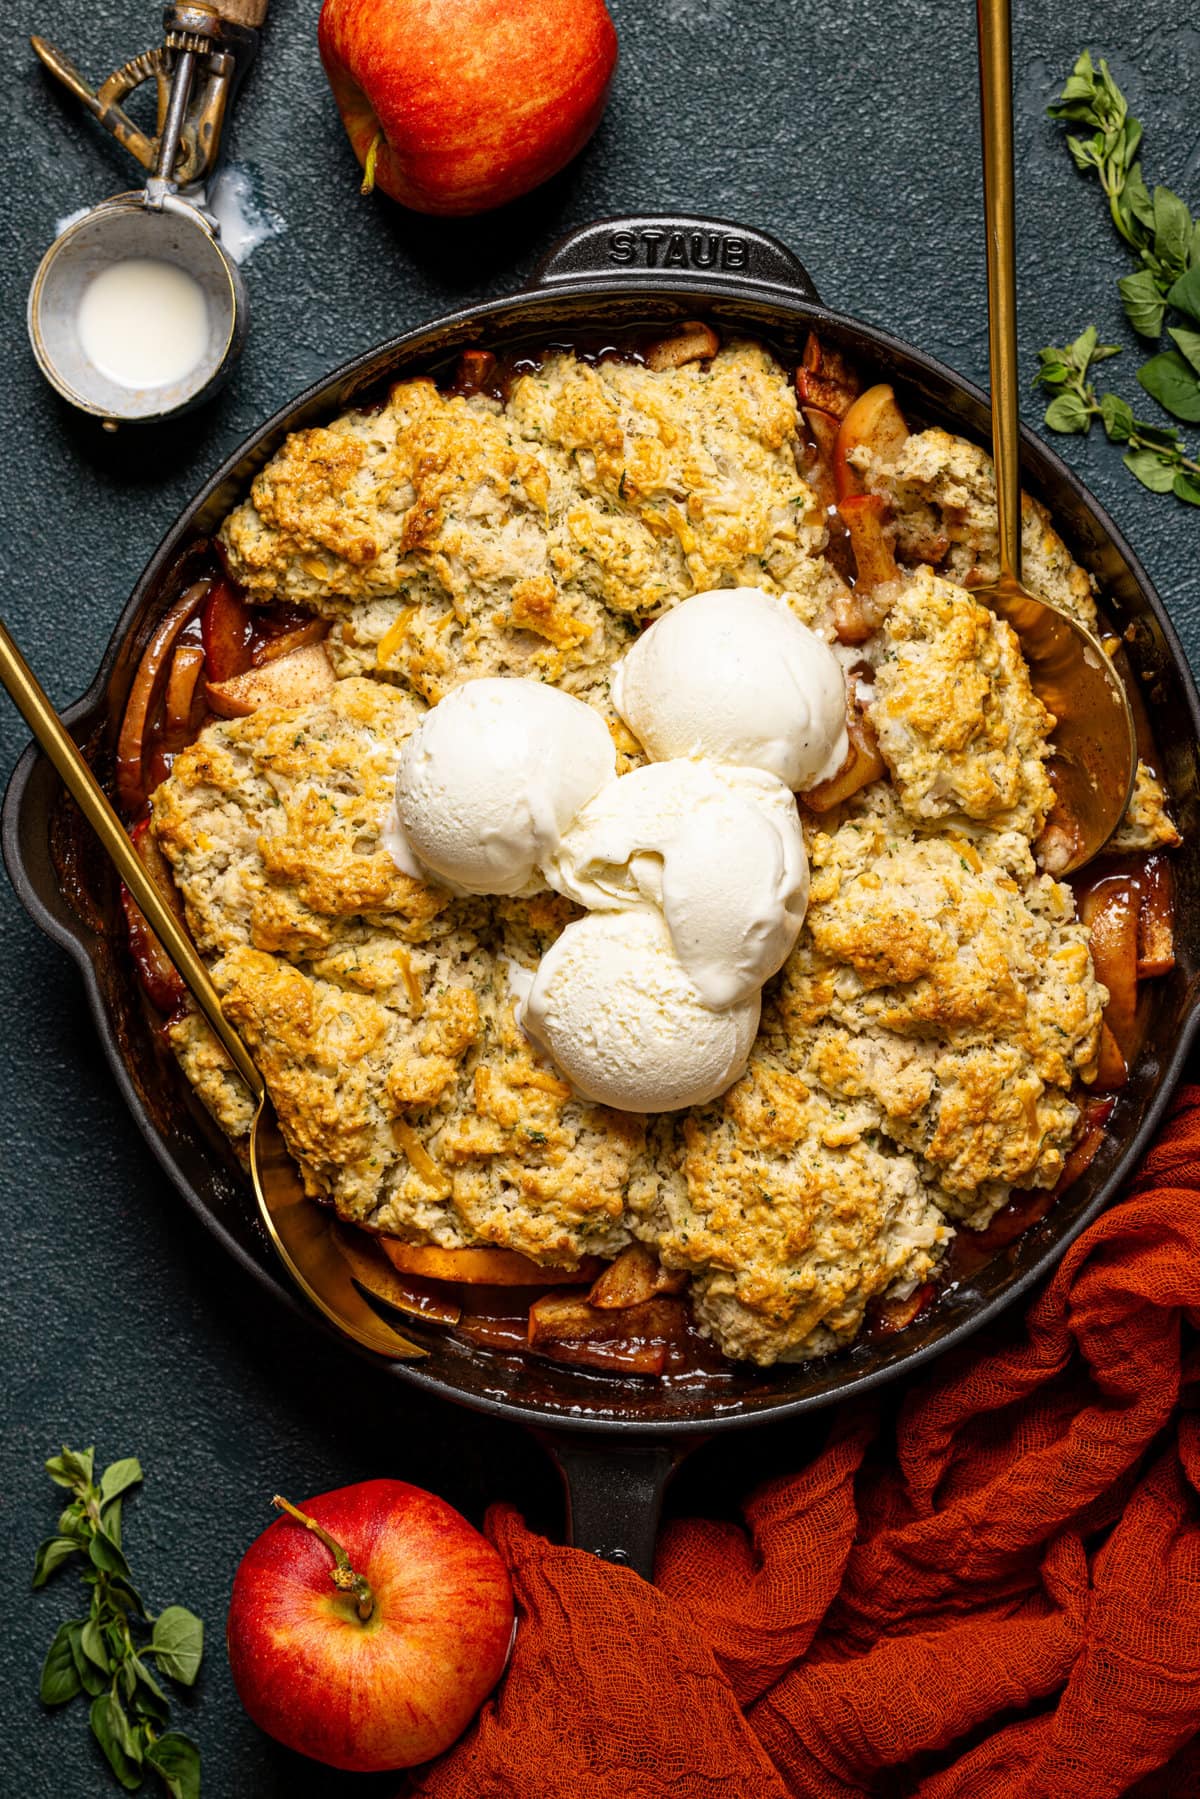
{"x": 929, "y": 1053}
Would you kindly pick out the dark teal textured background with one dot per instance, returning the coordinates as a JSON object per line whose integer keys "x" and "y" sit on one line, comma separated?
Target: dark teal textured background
{"x": 849, "y": 131}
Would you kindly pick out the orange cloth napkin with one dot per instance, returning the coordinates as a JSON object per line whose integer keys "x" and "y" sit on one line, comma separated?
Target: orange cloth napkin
{"x": 1000, "y": 1599}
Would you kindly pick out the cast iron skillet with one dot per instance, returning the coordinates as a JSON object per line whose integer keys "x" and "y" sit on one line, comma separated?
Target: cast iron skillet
{"x": 616, "y": 1439}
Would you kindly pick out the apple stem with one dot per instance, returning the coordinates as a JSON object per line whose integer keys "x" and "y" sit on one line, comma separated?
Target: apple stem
{"x": 368, "y": 180}
{"x": 342, "y": 1574}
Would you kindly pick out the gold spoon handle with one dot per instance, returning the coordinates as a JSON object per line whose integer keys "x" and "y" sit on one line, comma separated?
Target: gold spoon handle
{"x": 995, "y": 89}
{"x": 34, "y": 706}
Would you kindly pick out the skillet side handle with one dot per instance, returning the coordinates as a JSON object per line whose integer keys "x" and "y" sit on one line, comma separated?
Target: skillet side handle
{"x": 614, "y": 1494}
{"x": 710, "y": 250}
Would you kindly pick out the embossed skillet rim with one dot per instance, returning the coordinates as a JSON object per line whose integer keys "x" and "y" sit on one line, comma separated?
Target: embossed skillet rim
{"x": 614, "y": 1413}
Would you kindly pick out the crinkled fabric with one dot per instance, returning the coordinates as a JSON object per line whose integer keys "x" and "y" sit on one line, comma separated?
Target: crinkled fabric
{"x": 997, "y": 1598}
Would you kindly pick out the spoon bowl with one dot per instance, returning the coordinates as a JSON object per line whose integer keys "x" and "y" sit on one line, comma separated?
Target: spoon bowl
{"x": 1093, "y": 756}
{"x": 305, "y": 1238}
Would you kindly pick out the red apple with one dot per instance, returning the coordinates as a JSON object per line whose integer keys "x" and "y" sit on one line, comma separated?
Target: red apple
{"x": 367, "y": 1630}
{"x": 455, "y": 106}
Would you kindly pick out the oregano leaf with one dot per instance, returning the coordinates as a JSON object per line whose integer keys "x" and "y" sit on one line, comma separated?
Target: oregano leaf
{"x": 51, "y": 1555}
{"x": 73, "y": 1522}
{"x": 1150, "y": 469}
{"x": 1068, "y": 413}
{"x": 105, "y": 1729}
{"x": 1117, "y": 415}
{"x": 94, "y": 1647}
{"x": 1173, "y": 382}
{"x": 149, "y": 1698}
{"x": 106, "y": 1556}
{"x": 1083, "y": 347}
{"x": 177, "y": 1759}
{"x": 123, "y": 1730}
{"x": 111, "y": 1517}
{"x": 90, "y": 1677}
{"x": 1137, "y": 197}
{"x": 60, "y": 1678}
{"x": 118, "y": 1477}
{"x": 1172, "y": 229}
{"x": 1184, "y": 294}
{"x": 1143, "y": 302}
{"x": 178, "y": 1644}
{"x": 73, "y": 1468}
{"x": 1187, "y": 343}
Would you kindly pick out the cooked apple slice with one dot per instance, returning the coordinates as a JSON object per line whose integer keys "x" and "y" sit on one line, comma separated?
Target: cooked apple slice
{"x": 693, "y": 342}
{"x": 633, "y": 1341}
{"x": 144, "y": 692}
{"x": 636, "y": 1276}
{"x": 483, "y": 1267}
{"x": 295, "y": 680}
{"x": 889, "y": 1315}
{"x": 564, "y": 1318}
{"x": 874, "y": 422}
{"x": 1111, "y": 912}
{"x": 1082, "y": 1153}
{"x": 1156, "y": 918}
{"x": 226, "y": 629}
{"x": 854, "y": 618}
{"x": 866, "y": 516}
{"x": 818, "y": 469}
{"x": 271, "y": 649}
{"x": 163, "y": 986}
{"x": 504, "y": 1331}
{"x": 824, "y": 381}
{"x": 157, "y": 866}
{"x": 863, "y": 764}
{"x": 1111, "y": 1068}
{"x": 182, "y": 682}
{"x": 1061, "y": 837}
{"x": 473, "y": 372}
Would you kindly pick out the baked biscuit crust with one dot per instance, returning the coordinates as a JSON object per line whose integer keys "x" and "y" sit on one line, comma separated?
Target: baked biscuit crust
{"x": 919, "y": 1051}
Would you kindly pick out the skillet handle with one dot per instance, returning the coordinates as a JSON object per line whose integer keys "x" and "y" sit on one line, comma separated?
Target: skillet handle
{"x": 679, "y": 245}
{"x": 614, "y": 1493}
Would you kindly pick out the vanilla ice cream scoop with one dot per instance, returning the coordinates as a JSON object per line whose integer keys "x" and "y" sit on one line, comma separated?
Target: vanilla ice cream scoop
{"x": 617, "y": 1012}
{"x": 734, "y": 676}
{"x": 718, "y": 848}
{"x": 489, "y": 781}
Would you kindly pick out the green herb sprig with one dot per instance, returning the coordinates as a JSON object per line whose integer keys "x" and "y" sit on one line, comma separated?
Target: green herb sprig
{"x": 105, "y": 1656}
{"x": 1155, "y": 453}
{"x": 1160, "y": 228}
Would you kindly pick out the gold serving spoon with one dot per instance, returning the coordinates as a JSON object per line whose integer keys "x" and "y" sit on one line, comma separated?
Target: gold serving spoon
{"x": 303, "y": 1234}
{"x": 1094, "y": 747}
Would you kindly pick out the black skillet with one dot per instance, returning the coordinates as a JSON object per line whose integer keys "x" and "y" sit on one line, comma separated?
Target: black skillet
{"x": 616, "y": 1439}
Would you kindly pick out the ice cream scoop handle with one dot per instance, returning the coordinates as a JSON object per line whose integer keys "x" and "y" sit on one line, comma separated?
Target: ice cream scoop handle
{"x": 243, "y": 12}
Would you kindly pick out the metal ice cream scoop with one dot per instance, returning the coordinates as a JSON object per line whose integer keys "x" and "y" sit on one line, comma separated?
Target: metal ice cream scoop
{"x": 205, "y": 51}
